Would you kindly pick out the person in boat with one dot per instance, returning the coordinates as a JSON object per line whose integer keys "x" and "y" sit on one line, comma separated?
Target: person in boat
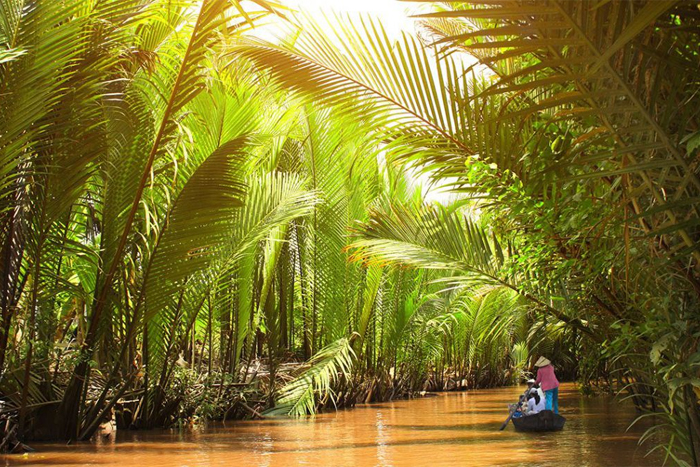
{"x": 535, "y": 404}
{"x": 532, "y": 384}
{"x": 549, "y": 383}
{"x": 519, "y": 409}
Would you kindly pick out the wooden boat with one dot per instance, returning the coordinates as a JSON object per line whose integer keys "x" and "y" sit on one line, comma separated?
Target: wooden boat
{"x": 543, "y": 421}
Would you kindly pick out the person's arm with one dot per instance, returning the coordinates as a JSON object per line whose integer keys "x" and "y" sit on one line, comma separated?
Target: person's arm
{"x": 539, "y": 376}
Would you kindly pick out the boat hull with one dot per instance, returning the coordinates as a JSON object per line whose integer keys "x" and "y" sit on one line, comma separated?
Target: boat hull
{"x": 543, "y": 421}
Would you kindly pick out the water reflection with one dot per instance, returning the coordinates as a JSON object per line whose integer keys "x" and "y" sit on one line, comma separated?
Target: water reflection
{"x": 447, "y": 430}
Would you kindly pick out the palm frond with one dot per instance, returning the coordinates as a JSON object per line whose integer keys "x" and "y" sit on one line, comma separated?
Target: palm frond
{"x": 432, "y": 237}
{"x": 300, "y": 397}
{"x": 601, "y": 68}
{"x": 182, "y": 79}
{"x": 199, "y": 225}
{"x": 407, "y": 90}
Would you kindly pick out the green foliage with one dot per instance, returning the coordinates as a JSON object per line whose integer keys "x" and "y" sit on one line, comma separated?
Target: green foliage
{"x": 328, "y": 365}
{"x": 186, "y": 210}
{"x": 574, "y": 149}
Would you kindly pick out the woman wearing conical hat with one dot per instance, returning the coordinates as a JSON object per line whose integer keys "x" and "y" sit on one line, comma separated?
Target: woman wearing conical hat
{"x": 548, "y": 382}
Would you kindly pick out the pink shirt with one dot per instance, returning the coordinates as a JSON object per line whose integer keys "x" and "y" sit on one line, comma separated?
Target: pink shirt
{"x": 546, "y": 378}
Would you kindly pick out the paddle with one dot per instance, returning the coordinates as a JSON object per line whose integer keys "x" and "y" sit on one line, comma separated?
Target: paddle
{"x": 503, "y": 427}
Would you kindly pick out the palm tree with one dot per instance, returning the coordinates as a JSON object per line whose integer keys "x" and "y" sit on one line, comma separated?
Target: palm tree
{"x": 56, "y": 174}
{"x": 183, "y": 203}
{"x": 567, "y": 124}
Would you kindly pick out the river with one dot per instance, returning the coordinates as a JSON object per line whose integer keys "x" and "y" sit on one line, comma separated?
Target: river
{"x": 449, "y": 429}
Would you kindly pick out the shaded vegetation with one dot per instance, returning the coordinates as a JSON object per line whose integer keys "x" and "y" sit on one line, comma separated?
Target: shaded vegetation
{"x": 199, "y": 223}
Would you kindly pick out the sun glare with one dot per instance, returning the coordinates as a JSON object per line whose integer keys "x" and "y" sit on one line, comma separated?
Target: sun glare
{"x": 393, "y": 14}
{"x": 383, "y": 8}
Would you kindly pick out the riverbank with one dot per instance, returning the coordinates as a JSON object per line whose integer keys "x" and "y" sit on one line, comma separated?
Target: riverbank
{"x": 456, "y": 428}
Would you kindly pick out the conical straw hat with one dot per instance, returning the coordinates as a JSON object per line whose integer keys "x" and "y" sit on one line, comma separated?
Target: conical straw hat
{"x": 542, "y": 361}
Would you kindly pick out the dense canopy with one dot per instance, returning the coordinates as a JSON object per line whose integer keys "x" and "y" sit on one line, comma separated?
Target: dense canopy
{"x": 198, "y": 221}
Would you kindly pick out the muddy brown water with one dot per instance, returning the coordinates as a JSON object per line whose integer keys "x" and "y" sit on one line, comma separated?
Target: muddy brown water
{"x": 449, "y": 429}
